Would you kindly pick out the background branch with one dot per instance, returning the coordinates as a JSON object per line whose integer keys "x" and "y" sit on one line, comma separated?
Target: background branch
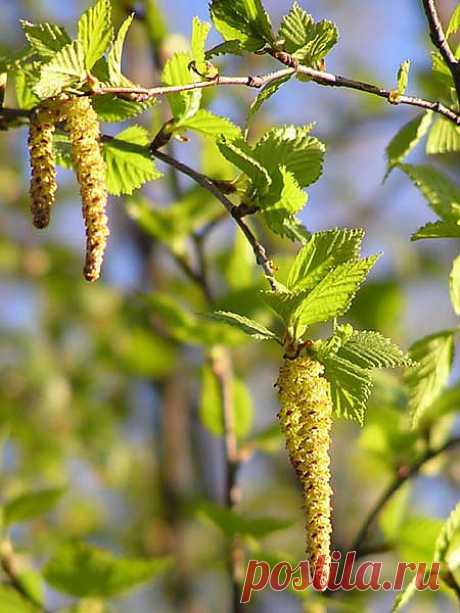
{"x": 403, "y": 475}
{"x": 205, "y": 182}
{"x": 439, "y": 40}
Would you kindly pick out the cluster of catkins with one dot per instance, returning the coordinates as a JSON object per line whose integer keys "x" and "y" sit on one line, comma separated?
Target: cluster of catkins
{"x": 306, "y": 418}
{"x": 79, "y": 119}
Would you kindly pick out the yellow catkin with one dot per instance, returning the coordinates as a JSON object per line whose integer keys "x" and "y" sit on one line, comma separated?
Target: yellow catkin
{"x": 306, "y": 419}
{"x": 43, "y": 180}
{"x": 83, "y": 127}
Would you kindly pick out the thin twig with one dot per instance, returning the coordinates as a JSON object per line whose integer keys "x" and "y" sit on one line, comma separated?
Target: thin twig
{"x": 222, "y": 368}
{"x": 204, "y": 181}
{"x": 318, "y": 76}
{"x": 439, "y": 40}
{"x": 394, "y": 486}
{"x": 258, "y": 82}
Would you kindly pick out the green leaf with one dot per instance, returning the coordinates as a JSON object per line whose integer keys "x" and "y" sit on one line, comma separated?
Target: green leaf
{"x": 31, "y": 505}
{"x": 248, "y": 326}
{"x": 444, "y": 137}
{"x": 449, "y": 530}
{"x": 211, "y": 407}
{"x": 176, "y": 72}
{"x": 95, "y": 31}
{"x": 293, "y": 147}
{"x": 323, "y": 252}
{"x": 447, "y": 402}
{"x": 24, "y": 82}
{"x": 10, "y": 601}
{"x": 333, "y": 295}
{"x": 157, "y": 28}
{"x": 240, "y": 154}
{"x": 265, "y": 94}
{"x": 307, "y": 41}
{"x": 172, "y": 225}
{"x": 45, "y": 38}
{"x": 83, "y": 570}
{"x": 129, "y": 164}
{"x": 454, "y": 23}
{"x": 66, "y": 69}
{"x": 405, "y": 596}
{"x": 283, "y": 201}
{"x": 114, "y": 56}
{"x": 200, "y": 31}
{"x": 208, "y": 124}
{"x": 243, "y": 22}
{"x": 238, "y": 264}
{"x": 372, "y": 350}
{"x": 437, "y": 229}
{"x": 351, "y": 387}
{"x": 403, "y": 77}
{"x": 442, "y": 194}
{"x": 454, "y": 285}
{"x": 407, "y": 139}
{"x": 232, "y": 523}
{"x": 433, "y": 357}
{"x": 113, "y": 109}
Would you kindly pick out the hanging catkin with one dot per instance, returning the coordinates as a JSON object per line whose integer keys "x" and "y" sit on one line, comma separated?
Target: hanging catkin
{"x": 83, "y": 127}
{"x": 306, "y": 418}
{"x": 43, "y": 180}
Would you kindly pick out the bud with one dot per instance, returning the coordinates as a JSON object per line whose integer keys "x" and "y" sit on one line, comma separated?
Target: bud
{"x": 43, "y": 181}
{"x": 306, "y": 419}
{"x": 83, "y": 127}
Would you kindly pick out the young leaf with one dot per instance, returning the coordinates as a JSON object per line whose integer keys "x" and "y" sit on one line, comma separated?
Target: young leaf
{"x": 307, "y": 41}
{"x": 433, "y": 357}
{"x": 232, "y": 523}
{"x": 11, "y": 600}
{"x": 407, "y": 139}
{"x": 200, "y": 31}
{"x": 323, "y": 252}
{"x": 243, "y": 22}
{"x": 404, "y": 597}
{"x": 176, "y": 72}
{"x": 444, "y": 137}
{"x": 442, "y": 194}
{"x": 265, "y": 94}
{"x": 351, "y": 387}
{"x": 115, "y": 54}
{"x": 450, "y": 529}
{"x": 66, "y": 69}
{"x": 403, "y": 77}
{"x": 83, "y": 570}
{"x": 208, "y": 124}
{"x": 240, "y": 154}
{"x": 24, "y": 81}
{"x": 333, "y": 295}
{"x": 114, "y": 109}
{"x": 45, "y": 38}
{"x": 437, "y": 229}
{"x": 284, "y": 199}
{"x": 454, "y": 285}
{"x": 95, "y": 31}
{"x": 301, "y": 154}
{"x": 454, "y": 23}
{"x": 31, "y": 505}
{"x": 372, "y": 350}
{"x": 248, "y": 326}
{"x": 211, "y": 408}
{"x": 129, "y": 164}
